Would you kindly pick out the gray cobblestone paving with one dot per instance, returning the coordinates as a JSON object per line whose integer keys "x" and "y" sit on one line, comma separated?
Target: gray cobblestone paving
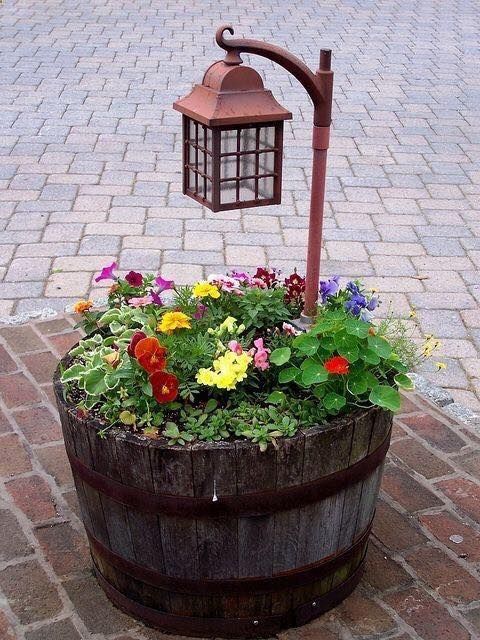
{"x": 90, "y": 152}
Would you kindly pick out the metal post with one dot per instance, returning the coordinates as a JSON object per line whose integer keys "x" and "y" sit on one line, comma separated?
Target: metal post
{"x": 320, "y": 142}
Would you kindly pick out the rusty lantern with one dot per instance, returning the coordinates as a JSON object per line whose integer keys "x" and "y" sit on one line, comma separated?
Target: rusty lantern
{"x": 232, "y": 139}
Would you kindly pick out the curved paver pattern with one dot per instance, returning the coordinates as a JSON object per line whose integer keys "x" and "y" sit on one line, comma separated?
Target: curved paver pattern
{"x": 90, "y": 152}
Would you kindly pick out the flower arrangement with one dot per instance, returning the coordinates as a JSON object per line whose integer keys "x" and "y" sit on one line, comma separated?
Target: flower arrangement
{"x": 223, "y": 359}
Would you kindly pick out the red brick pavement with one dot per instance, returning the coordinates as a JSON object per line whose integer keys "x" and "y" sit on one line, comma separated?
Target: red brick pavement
{"x": 421, "y": 580}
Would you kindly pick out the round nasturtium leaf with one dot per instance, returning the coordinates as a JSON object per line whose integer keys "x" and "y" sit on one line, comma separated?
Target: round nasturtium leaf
{"x": 384, "y": 396}
{"x": 333, "y": 401}
{"x": 280, "y": 356}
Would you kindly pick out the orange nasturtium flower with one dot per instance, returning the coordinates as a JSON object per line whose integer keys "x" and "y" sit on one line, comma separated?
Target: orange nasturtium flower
{"x": 164, "y": 386}
{"x": 82, "y": 305}
{"x": 151, "y": 355}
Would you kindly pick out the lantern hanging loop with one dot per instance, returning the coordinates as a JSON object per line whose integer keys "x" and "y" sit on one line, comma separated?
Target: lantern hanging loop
{"x": 316, "y": 85}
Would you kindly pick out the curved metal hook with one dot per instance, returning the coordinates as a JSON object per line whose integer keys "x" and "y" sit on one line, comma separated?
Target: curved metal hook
{"x": 220, "y": 39}
{"x": 281, "y": 56}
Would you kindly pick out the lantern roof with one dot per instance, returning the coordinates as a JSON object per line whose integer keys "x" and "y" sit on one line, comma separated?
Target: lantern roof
{"x": 231, "y": 94}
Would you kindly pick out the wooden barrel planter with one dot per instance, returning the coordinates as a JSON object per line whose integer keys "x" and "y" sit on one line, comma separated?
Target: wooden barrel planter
{"x": 221, "y": 540}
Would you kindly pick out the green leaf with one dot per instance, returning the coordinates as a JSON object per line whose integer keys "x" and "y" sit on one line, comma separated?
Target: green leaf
{"x": 319, "y": 391}
{"x": 351, "y": 352}
{"x": 280, "y": 356}
{"x": 95, "y": 382}
{"x": 370, "y": 379}
{"x": 357, "y": 384}
{"x": 74, "y": 372}
{"x": 287, "y": 375}
{"x": 404, "y": 381}
{"x": 371, "y": 357}
{"x": 306, "y": 344}
{"x": 385, "y": 396}
{"x": 379, "y": 346}
{"x": 111, "y": 381}
{"x": 333, "y": 401}
{"x": 276, "y": 397}
{"x": 314, "y": 374}
{"x": 128, "y": 418}
{"x": 357, "y": 328}
{"x": 116, "y": 327}
{"x": 147, "y": 389}
{"x": 211, "y": 405}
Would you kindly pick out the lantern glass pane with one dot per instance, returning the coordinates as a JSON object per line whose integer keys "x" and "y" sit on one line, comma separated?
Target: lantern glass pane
{"x": 265, "y": 188}
{"x": 200, "y": 160}
{"x": 191, "y": 179}
{"x": 248, "y": 139}
{"x": 229, "y": 141}
{"x": 229, "y": 167}
{"x": 209, "y": 165}
{"x": 247, "y": 190}
{"x": 228, "y": 191}
{"x": 247, "y": 165}
{"x": 267, "y": 137}
{"x": 266, "y": 162}
{"x": 191, "y": 130}
{"x": 209, "y": 190}
{"x": 208, "y": 140}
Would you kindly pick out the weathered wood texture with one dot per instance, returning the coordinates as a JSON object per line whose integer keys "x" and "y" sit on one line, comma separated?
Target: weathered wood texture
{"x": 232, "y": 547}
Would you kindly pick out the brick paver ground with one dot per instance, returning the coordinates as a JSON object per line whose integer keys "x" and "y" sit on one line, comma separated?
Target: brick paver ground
{"x": 90, "y": 152}
{"x": 421, "y": 581}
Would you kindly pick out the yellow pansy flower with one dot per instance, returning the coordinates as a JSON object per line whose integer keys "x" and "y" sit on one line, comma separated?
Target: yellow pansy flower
{"x": 173, "y": 320}
{"x": 226, "y": 371}
{"x": 440, "y": 365}
{"x": 205, "y": 289}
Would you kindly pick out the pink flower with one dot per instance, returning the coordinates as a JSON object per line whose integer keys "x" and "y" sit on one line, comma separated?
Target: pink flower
{"x": 134, "y": 279}
{"x": 140, "y": 302}
{"x": 258, "y": 283}
{"x": 260, "y": 358}
{"x": 290, "y": 330}
{"x": 226, "y": 283}
{"x": 235, "y": 346}
{"x": 164, "y": 285}
{"x": 200, "y": 312}
{"x": 107, "y": 273}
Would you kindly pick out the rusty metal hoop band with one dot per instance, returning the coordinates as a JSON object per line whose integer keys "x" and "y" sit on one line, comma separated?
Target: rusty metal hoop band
{"x": 238, "y": 586}
{"x": 241, "y": 505}
{"x": 254, "y": 627}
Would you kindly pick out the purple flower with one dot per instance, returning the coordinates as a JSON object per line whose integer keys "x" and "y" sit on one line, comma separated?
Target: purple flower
{"x": 373, "y": 304}
{"x": 329, "y": 288}
{"x": 200, "y": 312}
{"x": 156, "y": 299}
{"x": 134, "y": 279}
{"x": 352, "y": 288}
{"x": 356, "y": 303}
{"x": 164, "y": 285}
{"x": 107, "y": 273}
{"x": 242, "y": 276}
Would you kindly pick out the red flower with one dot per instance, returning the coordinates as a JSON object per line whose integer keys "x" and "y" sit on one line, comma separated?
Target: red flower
{"x": 151, "y": 355}
{"x": 164, "y": 386}
{"x": 134, "y": 340}
{"x": 134, "y": 279}
{"x": 294, "y": 288}
{"x": 268, "y": 277}
{"x": 337, "y": 365}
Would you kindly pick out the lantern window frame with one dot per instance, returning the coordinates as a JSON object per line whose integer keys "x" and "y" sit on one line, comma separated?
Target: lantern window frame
{"x": 211, "y": 171}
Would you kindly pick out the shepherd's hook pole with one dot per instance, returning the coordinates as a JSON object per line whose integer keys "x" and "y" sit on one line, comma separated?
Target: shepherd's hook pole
{"x": 319, "y": 87}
